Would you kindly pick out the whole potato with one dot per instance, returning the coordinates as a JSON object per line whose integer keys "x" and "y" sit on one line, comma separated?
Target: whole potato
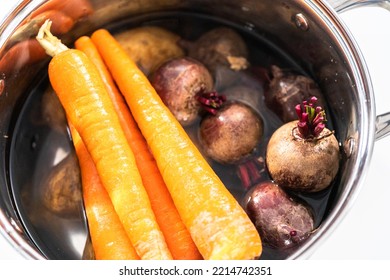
{"x": 281, "y": 221}
{"x": 150, "y": 46}
{"x": 53, "y": 113}
{"x": 62, "y": 194}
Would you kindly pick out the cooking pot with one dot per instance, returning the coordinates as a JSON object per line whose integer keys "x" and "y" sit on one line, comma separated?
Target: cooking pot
{"x": 309, "y": 33}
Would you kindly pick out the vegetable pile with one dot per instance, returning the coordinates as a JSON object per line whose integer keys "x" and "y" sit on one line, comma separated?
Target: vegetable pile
{"x": 188, "y": 151}
{"x": 267, "y": 124}
{"x": 215, "y": 220}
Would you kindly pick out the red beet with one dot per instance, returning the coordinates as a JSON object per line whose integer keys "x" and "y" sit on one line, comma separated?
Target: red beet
{"x": 303, "y": 155}
{"x": 282, "y": 222}
{"x": 232, "y": 133}
{"x": 178, "y": 82}
{"x": 220, "y": 47}
{"x": 286, "y": 90}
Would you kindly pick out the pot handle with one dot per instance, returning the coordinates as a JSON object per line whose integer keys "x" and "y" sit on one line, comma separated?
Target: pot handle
{"x": 343, "y": 5}
{"x": 382, "y": 124}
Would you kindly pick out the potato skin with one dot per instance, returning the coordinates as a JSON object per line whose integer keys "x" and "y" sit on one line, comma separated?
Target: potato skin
{"x": 282, "y": 222}
{"x": 150, "y": 46}
{"x": 302, "y": 165}
{"x": 62, "y": 194}
{"x": 53, "y": 113}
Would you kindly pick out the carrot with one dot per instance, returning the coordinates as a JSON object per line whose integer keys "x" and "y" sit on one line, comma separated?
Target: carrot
{"x": 89, "y": 108}
{"x": 109, "y": 238}
{"x": 76, "y": 9}
{"x": 218, "y": 225}
{"x": 21, "y": 54}
{"x": 62, "y": 23}
{"x": 176, "y": 234}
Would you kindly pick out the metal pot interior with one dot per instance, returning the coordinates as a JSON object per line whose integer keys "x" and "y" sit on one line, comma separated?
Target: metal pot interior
{"x": 307, "y": 35}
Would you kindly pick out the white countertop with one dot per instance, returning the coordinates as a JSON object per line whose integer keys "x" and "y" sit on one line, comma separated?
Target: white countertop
{"x": 364, "y": 231}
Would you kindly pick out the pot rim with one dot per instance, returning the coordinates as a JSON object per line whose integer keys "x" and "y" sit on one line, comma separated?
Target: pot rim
{"x": 9, "y": 228}
{"x": 348, "y": 45}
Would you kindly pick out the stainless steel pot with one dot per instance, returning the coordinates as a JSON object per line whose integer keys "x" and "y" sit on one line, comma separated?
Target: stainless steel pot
{"x": 310, "y": 32}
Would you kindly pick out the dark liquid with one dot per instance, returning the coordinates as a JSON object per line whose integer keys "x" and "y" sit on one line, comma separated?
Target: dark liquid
{"x": 41, "y": 145}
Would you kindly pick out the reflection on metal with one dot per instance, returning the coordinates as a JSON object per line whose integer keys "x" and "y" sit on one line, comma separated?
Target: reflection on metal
{"x": 349, "y": 146}
{"x": 301, "y": 22}
{"x": 344, "y": 5}
{"x": 382, "y": 126}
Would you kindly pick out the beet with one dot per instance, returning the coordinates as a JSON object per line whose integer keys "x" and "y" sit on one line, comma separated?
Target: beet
{"x": 178, "y": 82}
{"x": 282, "y": 222}
{"x": 300, "y": 165}
{"x": 220, "y": 47}
{"x": 232, "y": 133}
{"x": 286, "y": 89}
{"x": 303, "y": 155}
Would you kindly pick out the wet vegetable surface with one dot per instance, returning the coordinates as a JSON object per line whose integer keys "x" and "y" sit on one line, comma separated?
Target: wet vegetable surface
{"x": 219, "y": 47}
{"x": 282, "y": 221}
{"x": 179, "y": 82}
{"x": 287, "y": 89}
{"x": 231, "y": 134}
{"x": 304, "y": 155}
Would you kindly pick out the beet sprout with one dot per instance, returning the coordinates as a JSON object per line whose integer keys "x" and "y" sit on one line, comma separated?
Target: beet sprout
{"x": 211, "y": 101}
{"x": 311, "y": 118}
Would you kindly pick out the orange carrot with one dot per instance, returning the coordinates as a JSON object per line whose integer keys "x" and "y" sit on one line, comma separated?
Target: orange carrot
{"x": 176, "y": 234}
{"x": 89, "y": 108}
{"x": 76, "y": 9}
{"x": 62, "y": 23}
{"x": 218, "y": 225}
{"x": 21, "y": 54}
{"x": 109, "y": 238}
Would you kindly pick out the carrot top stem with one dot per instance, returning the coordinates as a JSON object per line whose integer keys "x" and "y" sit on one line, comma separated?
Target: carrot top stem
{"x": 48, "y": 41}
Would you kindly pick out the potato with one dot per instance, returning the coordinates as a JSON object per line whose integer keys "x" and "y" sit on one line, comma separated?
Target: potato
{"x": 53, "y": 113}
{"x": 282, "y": 222}
{"x": 62, "y": 192}
{"x": 150, "y": 46}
